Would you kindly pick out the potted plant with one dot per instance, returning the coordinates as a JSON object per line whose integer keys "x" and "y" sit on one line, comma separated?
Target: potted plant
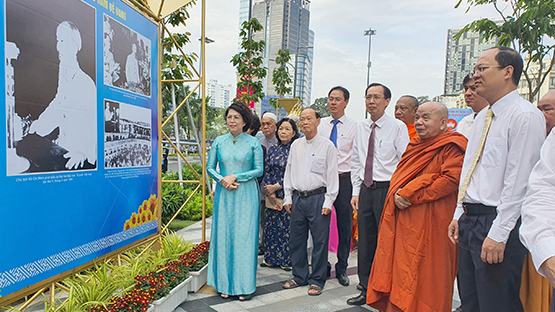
{"x": 197, "y": 261}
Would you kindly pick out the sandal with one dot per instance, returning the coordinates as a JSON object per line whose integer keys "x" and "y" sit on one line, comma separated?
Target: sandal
{"x": 286, "y": 268}
{"x": 265, "y": 264}
{"x": 224, "y": 296}
{"x": 290, "y": 284}
{"x": 245, "y": 297}
{"x": 314, "y": 290}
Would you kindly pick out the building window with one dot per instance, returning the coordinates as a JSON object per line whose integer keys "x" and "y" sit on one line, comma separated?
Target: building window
{"x": 552, "y": 82}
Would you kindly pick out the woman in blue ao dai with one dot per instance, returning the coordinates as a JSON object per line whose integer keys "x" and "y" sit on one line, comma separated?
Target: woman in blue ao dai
{"x": 234, "y": 162}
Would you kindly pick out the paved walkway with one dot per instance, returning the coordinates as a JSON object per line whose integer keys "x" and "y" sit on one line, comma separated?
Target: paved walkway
{"x": 270, "y": 296}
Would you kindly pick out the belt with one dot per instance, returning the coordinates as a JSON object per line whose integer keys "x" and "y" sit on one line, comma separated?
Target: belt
{"x": 304, "y": 194}
{"x": 478, "y": 209}
{"x": 378, "y": 185}
{"x": 345, "y": 174}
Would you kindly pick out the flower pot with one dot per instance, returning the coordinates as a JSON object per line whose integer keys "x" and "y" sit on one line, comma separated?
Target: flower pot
{"x": 199, "y": 279}
{"x": 172, "y": 300}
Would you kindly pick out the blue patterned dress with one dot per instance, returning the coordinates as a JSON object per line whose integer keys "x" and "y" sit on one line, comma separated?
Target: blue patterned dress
{"x": 233, "y": 259}
{"x": 276, "y": 227}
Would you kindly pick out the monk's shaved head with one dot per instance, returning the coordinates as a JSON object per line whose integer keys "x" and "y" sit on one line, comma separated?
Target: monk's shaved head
{"x": 431, "y": 120}
{"x": 437, "y": 108}
{"x": 547, "y": 105}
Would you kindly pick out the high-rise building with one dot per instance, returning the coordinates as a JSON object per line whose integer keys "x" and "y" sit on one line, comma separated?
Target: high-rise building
{"x": 461, "y": 57}
{"x": 220, "y": 95}
{"x": 286, "y": 26}
{"x": 243, "y": 15}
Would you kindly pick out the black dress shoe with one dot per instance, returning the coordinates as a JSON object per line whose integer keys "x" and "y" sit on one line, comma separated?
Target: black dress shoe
{"x": 358, "y": 300}
{"x": 343, "y": 279}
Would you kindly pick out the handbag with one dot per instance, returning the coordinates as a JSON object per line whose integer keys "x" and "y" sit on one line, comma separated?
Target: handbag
{"x": 277, "y": 202}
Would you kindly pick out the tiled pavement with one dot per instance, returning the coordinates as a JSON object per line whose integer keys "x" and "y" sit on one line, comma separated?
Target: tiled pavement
{"x": 270, "y": 296}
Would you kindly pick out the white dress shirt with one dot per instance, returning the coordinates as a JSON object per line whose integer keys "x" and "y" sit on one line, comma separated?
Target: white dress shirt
{"x": 391, "y": 140}
{"x": 311, "y": 164}
{"x": 512, "y": 148}
{"x": 465, "y": 126}
{"x": 538, "y": 210}
{"x": 346, "y": 130}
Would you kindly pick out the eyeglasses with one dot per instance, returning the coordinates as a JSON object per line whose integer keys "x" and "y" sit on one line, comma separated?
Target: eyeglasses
{"x": 374, "y": 96}
{"x": 481, "y": 68}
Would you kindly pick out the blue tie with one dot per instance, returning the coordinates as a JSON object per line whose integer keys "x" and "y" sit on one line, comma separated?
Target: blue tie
{"x": 333, "y": 134}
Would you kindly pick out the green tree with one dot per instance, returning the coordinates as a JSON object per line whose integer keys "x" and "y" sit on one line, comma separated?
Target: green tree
{"x": 528, "y": 27}
{"x": 321, "y": 106}
{"x": 281, "y": 78}
{"x": 249, "y": 63}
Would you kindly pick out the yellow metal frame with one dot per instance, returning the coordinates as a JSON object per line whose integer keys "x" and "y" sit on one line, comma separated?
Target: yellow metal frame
{"x": 53, "y": 285}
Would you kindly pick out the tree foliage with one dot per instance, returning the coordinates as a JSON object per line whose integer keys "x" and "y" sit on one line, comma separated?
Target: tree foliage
{"x": 281, "y": 78}
{"x": 249, "y": 63}
{"x": 528, "y": 26}
{"x": 177, "y": 65}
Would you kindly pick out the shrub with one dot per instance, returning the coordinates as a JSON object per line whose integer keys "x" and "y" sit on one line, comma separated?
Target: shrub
{"x": 174, "y": 195}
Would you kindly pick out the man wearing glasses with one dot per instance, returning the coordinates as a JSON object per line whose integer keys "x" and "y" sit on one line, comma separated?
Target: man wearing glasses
{"x": 379, "y": 144}
{"x": 501, "y": 152}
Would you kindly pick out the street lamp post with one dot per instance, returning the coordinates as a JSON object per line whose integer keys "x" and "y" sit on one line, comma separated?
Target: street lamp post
{"x": 370, "y": 32}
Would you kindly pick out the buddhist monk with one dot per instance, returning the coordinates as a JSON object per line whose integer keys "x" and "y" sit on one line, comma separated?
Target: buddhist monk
{"x": 405, "y": 110}
{"x": 415, "y": 264}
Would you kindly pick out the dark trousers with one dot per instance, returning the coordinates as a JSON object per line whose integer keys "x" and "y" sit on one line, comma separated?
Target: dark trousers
{"x": 488, "y": 287}
{"x": 261, "y": 241}
{"x": 344, "y": 215}
{"x": 370, "y": 207}
{"x": 307, "y": 216}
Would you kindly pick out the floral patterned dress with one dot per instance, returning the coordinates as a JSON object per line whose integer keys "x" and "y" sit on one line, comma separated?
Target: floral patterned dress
{"x": 276, "y": 228}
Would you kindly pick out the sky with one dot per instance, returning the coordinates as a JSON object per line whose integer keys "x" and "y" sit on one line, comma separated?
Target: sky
{"x": 407, "y": 55}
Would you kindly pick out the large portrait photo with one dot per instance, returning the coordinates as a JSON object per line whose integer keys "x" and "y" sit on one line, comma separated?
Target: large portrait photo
{"x": 127, "y": 135}
{"x": 50, "y": 86}
{"x": 127, "y": 57}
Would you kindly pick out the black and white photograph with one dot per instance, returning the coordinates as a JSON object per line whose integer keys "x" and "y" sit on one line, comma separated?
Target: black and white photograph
{"x": 127, "y": 135}
{"x": 126, "y": 58}
{"x": 50, "y": 86}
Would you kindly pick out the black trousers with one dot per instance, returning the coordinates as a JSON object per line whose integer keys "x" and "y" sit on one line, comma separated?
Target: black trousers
{"x": 261, "y": 241}
{"x": 488, "y": 287}
{"x": 307, "y": 216}
{"x": 344, "y": 215}
{"x": 370, "y": 208}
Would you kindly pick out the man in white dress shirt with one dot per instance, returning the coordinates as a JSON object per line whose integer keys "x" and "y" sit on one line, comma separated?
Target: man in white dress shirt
{"x": 538, "y": 210}
{"x": 341, "y": 131}
{"x": 501, "y": 153}
{"x": 311, "y": 185}
{"x": 379, "y": 144}
{"x": 547, "y": 105}
{"x": 474, "y": 101}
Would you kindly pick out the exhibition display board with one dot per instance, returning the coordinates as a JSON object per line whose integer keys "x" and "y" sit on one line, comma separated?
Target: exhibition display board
{"x": 79, "y": 173}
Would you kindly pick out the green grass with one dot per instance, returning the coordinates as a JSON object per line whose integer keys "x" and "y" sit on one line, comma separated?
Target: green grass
{"x": 177, "y": 224}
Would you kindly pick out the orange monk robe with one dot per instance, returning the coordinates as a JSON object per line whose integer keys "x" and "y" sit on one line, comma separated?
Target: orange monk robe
{"x": 412, "y": 132}
{"x": 415, "y": 263}
{"x": 535, "y": 291}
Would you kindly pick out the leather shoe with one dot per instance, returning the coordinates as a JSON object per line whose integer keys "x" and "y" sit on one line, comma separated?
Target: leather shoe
{"x": 358, "y": 300}
{"x": 343, "y": 279}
